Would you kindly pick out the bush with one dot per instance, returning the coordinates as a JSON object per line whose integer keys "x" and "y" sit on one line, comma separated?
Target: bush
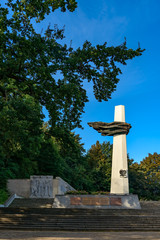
{"x": 3, "y": 196}
{"x": 100, "y": 193}
{"x": 82, "y": 192}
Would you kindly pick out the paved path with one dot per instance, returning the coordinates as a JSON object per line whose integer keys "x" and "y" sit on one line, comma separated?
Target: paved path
{"x": 38, "y": 235}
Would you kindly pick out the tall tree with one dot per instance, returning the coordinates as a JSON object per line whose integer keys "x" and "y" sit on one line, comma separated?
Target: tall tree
{"x": 72, "y": 151}
{"x": 145, "y": 177}
{"x": 20, "y": 136}
{"x": 37, "y": 70}
{"x": 150, "y": 166}
{"x": 99, "y": 159}
{"x": 30, "y": 62}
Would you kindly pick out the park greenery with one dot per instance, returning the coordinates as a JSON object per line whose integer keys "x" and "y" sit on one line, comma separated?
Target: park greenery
{"x": 38, "y": 70}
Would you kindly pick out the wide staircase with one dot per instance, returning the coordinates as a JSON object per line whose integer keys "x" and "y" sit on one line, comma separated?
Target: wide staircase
{"x": 32, "y": 203}
{"x": 43, "y": 218}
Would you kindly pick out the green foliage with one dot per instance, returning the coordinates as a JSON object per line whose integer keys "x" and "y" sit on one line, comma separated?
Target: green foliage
{"x": 20, "y": 136}
{"x": 63, "y": 156}
{"x": 38, "y": 65}
{"x": 82, "y": 192}
{"x": 100, "y": 193}
{"x": 50, "y": 161}
{"x": 38, "y": 9}
{"x": 3, "y": 196}
{"x": 99, "y": 158}
{"x": 72, "y": 152}
{"x": 145, "y": 177}
{"x": 37, "y": 71}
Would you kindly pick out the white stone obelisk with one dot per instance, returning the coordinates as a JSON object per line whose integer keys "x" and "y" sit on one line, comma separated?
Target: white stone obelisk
{"x": 119, "y": 176}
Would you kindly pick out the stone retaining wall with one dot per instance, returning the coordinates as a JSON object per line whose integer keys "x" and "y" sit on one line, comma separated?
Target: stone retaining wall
{"x": 21, "y": 187}
{"x": 97, "y": 201}
{"x": 38, "y": 187}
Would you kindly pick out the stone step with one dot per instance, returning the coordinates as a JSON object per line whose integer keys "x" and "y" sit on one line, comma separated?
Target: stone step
{"x": 88, "y": 212}
{"x": 71, "y": 219}
{"x": 96, "y": 223}
{"x": 75, "y": 223}
{"x": 32, "y": 202}
{"x": 81, "y": 217}
{"x": 150, "y": 204}
{"x": 81, "y": 228}
{"x": 146, "y": 219}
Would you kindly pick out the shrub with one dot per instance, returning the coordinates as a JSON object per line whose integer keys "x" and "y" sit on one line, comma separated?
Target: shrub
{"x": 3, "y": 196}
{"x": 81, "y": 192}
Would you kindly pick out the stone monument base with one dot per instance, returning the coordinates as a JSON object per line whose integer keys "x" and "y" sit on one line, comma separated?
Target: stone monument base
{"x": 97, "y": 201}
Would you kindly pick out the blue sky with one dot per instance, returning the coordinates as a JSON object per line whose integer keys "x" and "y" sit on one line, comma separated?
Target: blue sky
{"x": 102, "y": 21}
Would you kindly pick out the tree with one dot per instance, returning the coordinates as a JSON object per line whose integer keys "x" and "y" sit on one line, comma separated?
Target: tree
{"x": 145, "y": 177}
{"x": 63, "y": 155}
{"x": 30, "y": 62}
{"x": 99, "y": 159}
{"x": 49, "y": 160}
{"x": 137, "y": 184}
{"x": 20, "y": 136}
{"x": 73, "y": 153}
{"x": 37, "y": 70}
{"x": 151, "y": 169}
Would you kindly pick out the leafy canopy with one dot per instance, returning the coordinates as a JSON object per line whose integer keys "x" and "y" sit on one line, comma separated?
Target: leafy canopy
{"x": 21, "y": 137}
{"x": 99, "y": 158}
{"x": 53, "y": 73}
{"x": 145, "y": 177}
{"x": 38, "y": 70}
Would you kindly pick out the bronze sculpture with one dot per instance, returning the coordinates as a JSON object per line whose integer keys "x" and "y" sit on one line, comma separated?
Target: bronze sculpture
{"x": 111, "y": 129}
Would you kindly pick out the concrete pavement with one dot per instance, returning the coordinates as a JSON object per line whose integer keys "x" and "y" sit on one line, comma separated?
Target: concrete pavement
{"x": 53, "y": 235}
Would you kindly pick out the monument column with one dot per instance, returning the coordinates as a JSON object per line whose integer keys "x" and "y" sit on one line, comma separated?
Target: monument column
{"x": 119, "y": 175}
{"x": 118, "y": 129}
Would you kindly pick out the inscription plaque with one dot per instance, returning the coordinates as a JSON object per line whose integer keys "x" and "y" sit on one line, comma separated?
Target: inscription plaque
{"x": 95, "y": 201}
{"x": 75, "y": 200}
{"x": 116, "y": 201}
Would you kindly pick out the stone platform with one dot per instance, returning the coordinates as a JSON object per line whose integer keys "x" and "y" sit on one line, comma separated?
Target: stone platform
{"x": 97, "y": 201}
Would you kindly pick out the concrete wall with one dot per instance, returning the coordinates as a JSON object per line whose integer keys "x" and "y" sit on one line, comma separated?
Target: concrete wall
{"x": 21, "y": 187}
{"x": 60, "y": 186}
{"x": 97, "y": 201}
